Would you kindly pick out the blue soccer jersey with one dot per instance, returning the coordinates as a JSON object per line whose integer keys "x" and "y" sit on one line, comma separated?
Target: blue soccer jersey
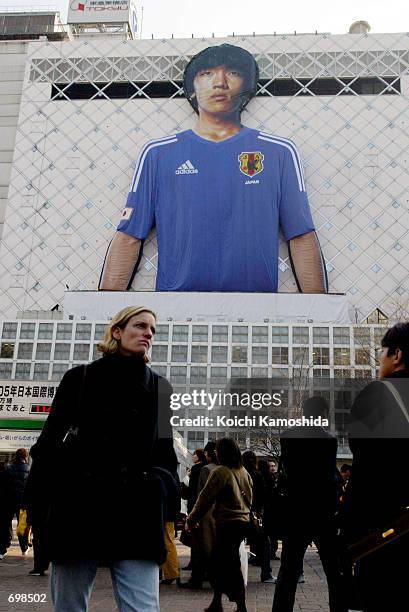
{"x": 218, "y": 207}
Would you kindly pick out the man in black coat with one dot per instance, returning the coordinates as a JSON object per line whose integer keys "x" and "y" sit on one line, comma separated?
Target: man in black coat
{"x": 377, "y": 494}
{"x": 15, "y": 477}
{"x": 311, "y": 504}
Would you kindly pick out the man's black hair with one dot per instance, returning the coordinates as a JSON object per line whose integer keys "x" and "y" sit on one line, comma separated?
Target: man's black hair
{"x": 227, "y": 55}
{"x": 397, "y": 337}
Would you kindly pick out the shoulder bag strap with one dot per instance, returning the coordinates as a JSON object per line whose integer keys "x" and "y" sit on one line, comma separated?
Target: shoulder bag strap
{"x": 391, "y": 387}
{"x": 246, "y": 501}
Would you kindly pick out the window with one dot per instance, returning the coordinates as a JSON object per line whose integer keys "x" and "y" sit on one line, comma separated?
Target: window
{"x": 61, "y": 352}
{"x": 5, "y": 370}
{"x": 240, "y": 437}
{"x": 99, "y": 331}
{"x": 220, "y": 333}
{"x": 239, "y": 354}
{"x": 341, "y": 335}
{"x": 41, "y": 371}
{"x": 259, "y": 354}
{"x": 59, "y": 370}
{"x": 43, "y": 350}
{"x": 320, "y": 356}
{"x": 178, "y": 374}
{"x": 279, "y": 354}
{"x": 160, "y": 369}
{"x": 195, "y": 439}
{"x": 25, "y": 350}
{"x": 240, "y": 333}
{"x": 216, "y": 435}
{"x": 321, "y": 373}
{"x": 362, "y": 336}
{"x": 7, "y": 350}
{"x": 160, "y": 352}
{"x": 320, "y": 335}
{"x": 64, "y": 331}
{"x": 45, "y": 331}
{"x": 81, "y": 352}
{"x": 279, "y": 372}
{"x": 379, "y": 333}
{"x": 179, "y": 353}
{"x": 199, "y": 354}
{"x": 162, "y": 333}
{"x": 218, "y": 375}
{"x": 199, "y": 333}
{"x": 96, "y": 354}
{"x": 237, "y": 372}
{"x": 219, "y": 354}
{"x": 27, "y": 331}
{"x": 342, "y": 373}
{"x": 342, "y": 356}
{"x": 180, "y": 333}
{"x": 83, "y": 331}
{"x": 300, "y": 356}
{"x": 198, "y": 374}
{"x": 363, "y": 373}
{"x": 362, "y": 356}
{"x": 301, "y": 335}
{"x": 279, "y": 335}
{"x": 23, "y": 371}
{"x": 9, "y": 330}
{"x": 260, "y": 334}
{"x": 259, "y": 372}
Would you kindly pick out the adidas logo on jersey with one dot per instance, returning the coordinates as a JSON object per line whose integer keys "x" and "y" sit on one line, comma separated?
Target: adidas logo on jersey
{"x": 187, "y": 168}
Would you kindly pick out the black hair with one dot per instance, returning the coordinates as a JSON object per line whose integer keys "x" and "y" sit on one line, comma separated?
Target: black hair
{"x": 228, "y": 453}
{"x": 345, "y": 467}
{"x": 264, "y": 468}
{"x": 200, "y": 455}
{"x": 210, "y": 449}
{"x": 316, "y": 406}
{"x": 249, "y": 460}
{"x": 227, "y": 55}
{"x": 397, "y": 337}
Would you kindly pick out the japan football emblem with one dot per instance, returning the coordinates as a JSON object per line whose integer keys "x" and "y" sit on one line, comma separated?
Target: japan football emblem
{"x": 251, "y": 163}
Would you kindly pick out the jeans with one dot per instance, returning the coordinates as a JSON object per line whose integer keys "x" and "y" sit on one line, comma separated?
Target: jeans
{"x": 135, "y": 584}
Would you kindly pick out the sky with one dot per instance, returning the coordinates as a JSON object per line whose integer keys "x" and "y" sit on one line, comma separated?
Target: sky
{"x": 162, "y": 18}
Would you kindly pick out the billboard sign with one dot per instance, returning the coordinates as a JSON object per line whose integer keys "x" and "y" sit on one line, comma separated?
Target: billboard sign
{"x": 100, "y": 11}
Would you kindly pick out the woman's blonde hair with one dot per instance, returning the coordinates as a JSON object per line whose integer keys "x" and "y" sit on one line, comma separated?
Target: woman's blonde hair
{"x": 110, "y": 344}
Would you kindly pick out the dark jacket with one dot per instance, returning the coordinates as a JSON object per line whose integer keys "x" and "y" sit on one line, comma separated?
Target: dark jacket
{"x": 308, "y": 457}
{"x": 192, "y": 490}
{"x": 16, "y": 474}
{"x": 104, "y": 500}
{"x": 379, "y": 485}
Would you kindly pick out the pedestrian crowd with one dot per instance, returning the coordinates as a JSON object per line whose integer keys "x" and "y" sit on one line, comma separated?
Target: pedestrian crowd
{"x": 122, "y": 510}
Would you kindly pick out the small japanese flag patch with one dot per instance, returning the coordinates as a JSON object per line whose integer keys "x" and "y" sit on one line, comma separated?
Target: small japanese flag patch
{"x": 126, "y": 214}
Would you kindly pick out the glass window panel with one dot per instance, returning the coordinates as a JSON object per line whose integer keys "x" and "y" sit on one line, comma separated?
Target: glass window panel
{"x": 342, "y": 373}
{"x": 363, "y": 356}
{"x": 179, "y": 353}
{"x": 379, "y": 333}
{"x": 81, "y": 352}
{"x": 83, "y": 331}
{"x": 259, "y": 372}
{"x": 195, "y": 439}
{"x": 219, "y": 354}
{"x": 239, "y": 354}
{"x": 162, "y": 333}
{"x": 218, "y": 375}
{"x": 99, "y": 331}
{"x": 301, "y": 335}
{"x": 342, "y": 356}
{"x": 240, "y": 333}
{"x": 220, "y": 333}
{"x": 43, "y": 350}
{"x": 279, "y": 335}
{"x": 23, "y": 371}
{"x": 320, "y": 335}
{"x": 198, "y": 374}
{"x": 300, "y": 356}
{"x": 199, "y": 354}
{"x": 259, "y": 354}
{"x": 160, "y": 352}
{"x": 361, "y": 373}
{"x": 180, "y": 333}
{"x": 64, "y": 331}
{"x": 25, "y": 350}
{"x": 321, "y": 372}
{"x": 61, "y": 351}
{"x": 9, "y": 330}
{"x": 96, "y": 354}
{"x": 160, "y": 369}
{"x": 279, "y": 354}
{"x": 341, "y": 335}
{"x": 199, "y": 333}
{"x": 320, "y": 355}
{"x": 362, "y": 336}
{"x": 45, "y": 331}
{"x": 279, "y": 372}
{"x": 27, "y": 331}
{"x": 7, "y": 350}
{"x": 41, "y": 371}
{"x": 5, "y": 370}
{"x": 260, "y": 334}
{"x": 59, "y": 370}
{"x": 237, "y": 372}
{"x": 178, "y": 374}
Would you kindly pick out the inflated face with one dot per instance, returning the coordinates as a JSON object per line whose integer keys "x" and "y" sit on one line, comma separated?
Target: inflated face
{"x": 137, "y": 335}
{"x": 217, "y": 90}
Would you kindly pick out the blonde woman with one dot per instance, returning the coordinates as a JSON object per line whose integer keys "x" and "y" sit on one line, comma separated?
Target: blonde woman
{"x": 107, "y": 429}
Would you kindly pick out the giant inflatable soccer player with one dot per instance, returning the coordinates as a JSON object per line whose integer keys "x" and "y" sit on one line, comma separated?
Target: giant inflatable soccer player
{"x": 218, "y": 195}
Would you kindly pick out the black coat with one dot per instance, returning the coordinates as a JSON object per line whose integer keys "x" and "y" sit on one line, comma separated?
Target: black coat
{"x": 379, "y": 439}
{"x": 16, "y": 474}
{"x": 104, "y": 501}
